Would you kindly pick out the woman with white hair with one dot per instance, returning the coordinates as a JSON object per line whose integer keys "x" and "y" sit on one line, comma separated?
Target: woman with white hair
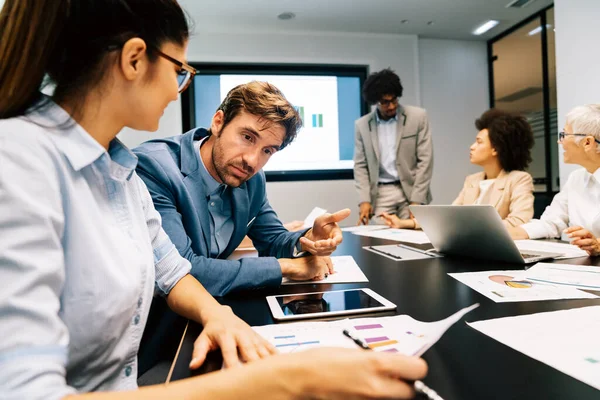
{"x": 575, "y": 210}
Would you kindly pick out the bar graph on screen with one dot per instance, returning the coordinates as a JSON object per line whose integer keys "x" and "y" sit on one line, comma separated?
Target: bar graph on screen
{"x": 317, "y": 120}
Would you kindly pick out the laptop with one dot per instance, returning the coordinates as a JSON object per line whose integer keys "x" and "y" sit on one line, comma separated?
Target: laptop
{"x": 474, "y": 231}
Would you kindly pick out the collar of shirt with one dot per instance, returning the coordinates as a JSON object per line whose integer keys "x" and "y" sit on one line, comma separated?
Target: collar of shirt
{"x": 588, "y": 177}
{"x": 388, "y": 121}
{"x": 79, "y": 147}
{"x": 211, "y": 183}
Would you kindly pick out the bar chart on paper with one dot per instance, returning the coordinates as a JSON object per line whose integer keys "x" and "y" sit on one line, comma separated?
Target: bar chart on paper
{"x": 290, "y": 343}
{"x": 397, "y": 334}
{"x": 291, "y": 338}
{"x": 386, "y": 339}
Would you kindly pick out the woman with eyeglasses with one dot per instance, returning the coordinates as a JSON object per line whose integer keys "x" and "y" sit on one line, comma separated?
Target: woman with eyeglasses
{"x": 575, "y": 210}
{"x": 82, "y": 250}
{"x": 502, "y": 148}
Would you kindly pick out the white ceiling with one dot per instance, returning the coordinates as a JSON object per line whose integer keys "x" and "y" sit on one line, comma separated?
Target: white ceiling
{"x": 452, "y": 19}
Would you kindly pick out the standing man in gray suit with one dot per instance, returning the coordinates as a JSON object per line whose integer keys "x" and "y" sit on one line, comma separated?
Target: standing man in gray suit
{"x": 393, "y": 152}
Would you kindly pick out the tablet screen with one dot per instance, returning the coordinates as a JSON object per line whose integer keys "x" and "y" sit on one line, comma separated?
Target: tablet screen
{"x": 326, "y": 302}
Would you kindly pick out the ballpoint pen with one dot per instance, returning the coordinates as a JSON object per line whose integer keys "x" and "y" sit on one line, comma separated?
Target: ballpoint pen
{"x": 419, "y": 386}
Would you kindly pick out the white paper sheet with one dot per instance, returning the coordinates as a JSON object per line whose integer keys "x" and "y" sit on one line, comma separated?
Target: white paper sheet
{"x": 397, "y": 334}
{"x": 568, "y": 250}
{"x": 578, "y": 276}
{"x": 346, "y": 271}
{"x": 314, "y": 214}
{"x": 512, "y": 286}
{"x": 400, "y": 235}
{"x": 566, "y": 340}
{"x": 364, "y": 228}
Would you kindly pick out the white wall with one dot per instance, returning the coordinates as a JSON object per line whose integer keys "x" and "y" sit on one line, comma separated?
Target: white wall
{"x": 169, "y": 125}
{"x": 577, "y": 60}
{"x": 455, "y": 91}
{"x": 449, "y": 78}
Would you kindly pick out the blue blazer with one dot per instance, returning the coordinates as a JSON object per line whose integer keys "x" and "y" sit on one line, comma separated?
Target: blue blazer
{"x": 171, "y": 170}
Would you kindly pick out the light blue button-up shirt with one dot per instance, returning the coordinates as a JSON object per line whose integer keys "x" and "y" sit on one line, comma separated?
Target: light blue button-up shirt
{"x": 219, "y": 208}
{"x": 82, "y": 253}
{"x": 387, "y": 131}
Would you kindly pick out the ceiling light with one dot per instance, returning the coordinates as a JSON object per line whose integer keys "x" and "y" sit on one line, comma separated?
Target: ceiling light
{"x": 286, "y": 16}
{"x": 485, "y": 27}
{"x": 538, "y": 29}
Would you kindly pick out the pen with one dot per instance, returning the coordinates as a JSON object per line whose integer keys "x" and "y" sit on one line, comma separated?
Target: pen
{"x": 419, "y": 386}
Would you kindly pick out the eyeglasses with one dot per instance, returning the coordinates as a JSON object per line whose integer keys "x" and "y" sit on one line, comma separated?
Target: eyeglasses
{"x": 386, "y": 102}
{"x": 561, "y": 136}
{"x": 184, "y": 75}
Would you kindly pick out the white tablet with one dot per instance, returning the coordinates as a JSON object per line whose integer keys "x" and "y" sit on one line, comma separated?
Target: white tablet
{"x": 327, "y": 304}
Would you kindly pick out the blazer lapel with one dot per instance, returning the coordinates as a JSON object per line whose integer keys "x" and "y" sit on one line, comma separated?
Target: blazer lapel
{"x": 497, "y": 190}
{"x": 197, "y": 191}
{"x": 472, "y": 189}
{"x": 240, "y": 203}
{"x": 400, "y": 126}
{"x": 373, "y": 135}
{"x": 190, "y": 166}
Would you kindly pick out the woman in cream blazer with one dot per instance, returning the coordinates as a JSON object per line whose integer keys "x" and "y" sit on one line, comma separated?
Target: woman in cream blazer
{"x": 502, "y": 148}
{"x": 511, "y": 194}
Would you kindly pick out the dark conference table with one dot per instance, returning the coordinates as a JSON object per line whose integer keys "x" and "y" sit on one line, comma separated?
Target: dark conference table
{"x": 464, "y": 364}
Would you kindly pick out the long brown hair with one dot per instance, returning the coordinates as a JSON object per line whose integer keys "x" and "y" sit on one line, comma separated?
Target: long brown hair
{"x": 68, "y": 41}
{"x": 21, "y": 52}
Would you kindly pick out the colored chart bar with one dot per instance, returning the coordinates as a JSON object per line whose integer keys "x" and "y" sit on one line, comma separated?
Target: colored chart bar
{"x": 297, "y": 344}
{"x": 391, "y": 351}
{"x": 376, "y": 339}
{"x": 284, "y": 337}
{"x": 314, "y": 120}
{"x": 320, "y": 120}
{"x": 381, "y": 344}
{"x": 371, "y": 326}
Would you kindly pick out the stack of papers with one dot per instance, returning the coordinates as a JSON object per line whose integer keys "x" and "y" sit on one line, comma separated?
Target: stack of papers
{"x": 400, "y": 252}
{"x": 364, "y": 228}
{"x": 346, "y": 271}
{"x": 397, "y": 334}
{"x": 568, "y": 250}
{"x": 513, "y": 286}
{"x": 566, "y": 340}
{"x": 399, "y": 235}
{"x": 577, "y": 276}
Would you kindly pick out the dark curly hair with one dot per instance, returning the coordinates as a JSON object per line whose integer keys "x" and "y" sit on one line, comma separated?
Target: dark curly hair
{"x": 380, "y": 84}
{"x": 510, "y": 135}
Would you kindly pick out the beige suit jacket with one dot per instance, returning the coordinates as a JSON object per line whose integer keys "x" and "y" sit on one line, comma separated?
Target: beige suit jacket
{"x": 511, "y": 194}
{"x": 414, "y": 158}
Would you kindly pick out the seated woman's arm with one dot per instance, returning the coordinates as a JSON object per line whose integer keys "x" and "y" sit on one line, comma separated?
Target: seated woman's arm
{"x": 393, "y": 221}
{"x": 317, "y": 373}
